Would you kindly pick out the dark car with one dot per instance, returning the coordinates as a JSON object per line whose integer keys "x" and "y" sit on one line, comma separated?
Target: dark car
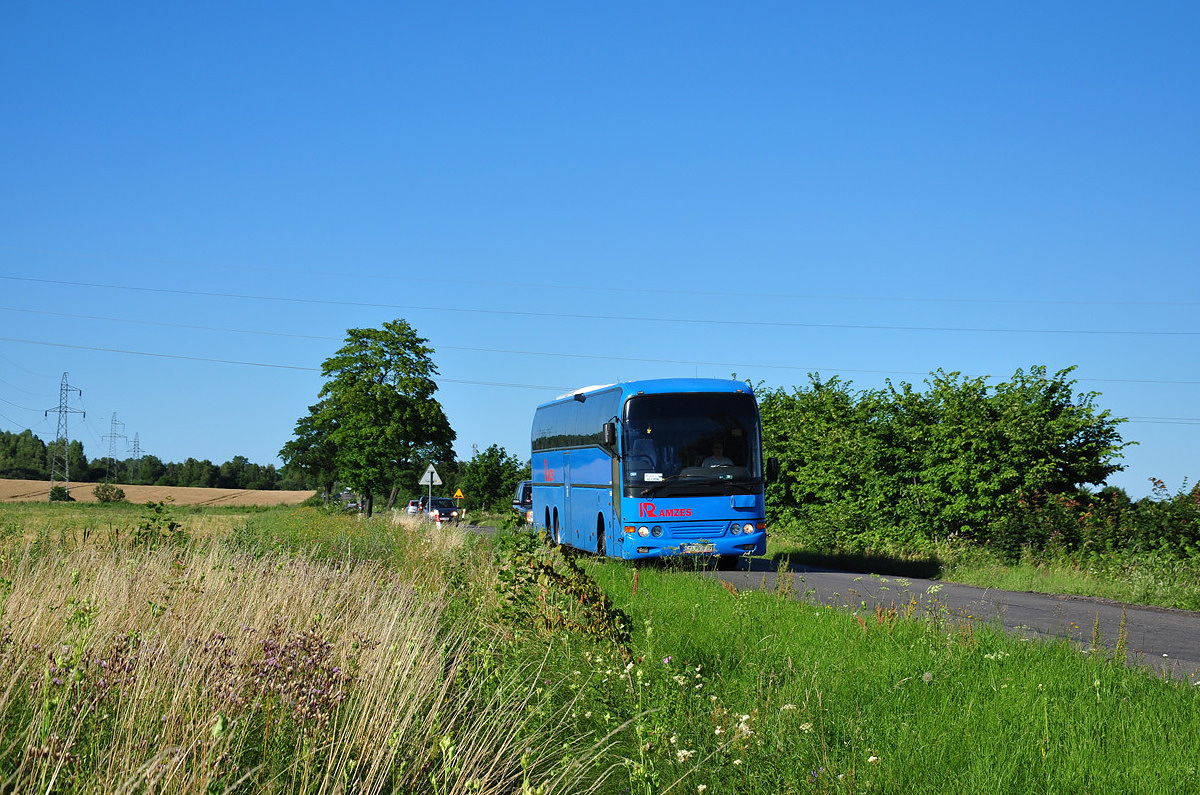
{"x": 441, "y": 509}
{"x": 523, "y": 500}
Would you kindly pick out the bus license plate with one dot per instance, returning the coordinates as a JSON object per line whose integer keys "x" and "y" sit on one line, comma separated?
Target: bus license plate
{"x": 695, "y": 549}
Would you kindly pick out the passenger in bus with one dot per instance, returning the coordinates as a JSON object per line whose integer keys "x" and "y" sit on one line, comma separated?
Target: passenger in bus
{"x": 717, "y": 459}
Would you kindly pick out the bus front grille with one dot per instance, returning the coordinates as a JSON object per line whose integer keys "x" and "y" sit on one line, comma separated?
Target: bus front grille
{"x": 696, "y": 530}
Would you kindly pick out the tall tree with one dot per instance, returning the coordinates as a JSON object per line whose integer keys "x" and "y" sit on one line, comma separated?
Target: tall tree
{"x": 150, "y": 469}
{"x": 384, "y": 417}
{"x": 313, "y": 451}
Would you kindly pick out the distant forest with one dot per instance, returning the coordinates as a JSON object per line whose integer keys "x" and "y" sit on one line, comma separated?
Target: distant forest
{"x": 24, "y": 456}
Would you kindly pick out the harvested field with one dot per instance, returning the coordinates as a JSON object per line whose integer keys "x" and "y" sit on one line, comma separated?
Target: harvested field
{"x": 39, "y": 490}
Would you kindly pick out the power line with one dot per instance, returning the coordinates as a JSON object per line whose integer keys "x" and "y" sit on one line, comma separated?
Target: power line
{"x": 19, "y": 389}
{"x": 1165, "y": 420}
{"x": 10, "y": 419}
{"x": 163, "y": 324}
{"x": 160, "y": 355}
{"x": 578, "y": 316}
{"x": 468, "y": 382}
{"x": 261, "y": 364}
{"x": 15, "y": 406}
{"x": 603, "y": 357}
{"x": 641, "y": 290}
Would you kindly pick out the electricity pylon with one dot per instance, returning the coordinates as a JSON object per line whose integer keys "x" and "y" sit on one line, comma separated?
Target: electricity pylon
{"x": 135, "y": 463}
{"x": 112, "y": 445}
{"x": 60, "y": 464}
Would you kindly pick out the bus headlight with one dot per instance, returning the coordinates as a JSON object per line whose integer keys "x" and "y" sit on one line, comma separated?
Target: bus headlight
{"x": 656, "y": 531}
{"x": 643, "y": 531}
{"x": 748, "y": 528}
{"x": 735, "y": 529}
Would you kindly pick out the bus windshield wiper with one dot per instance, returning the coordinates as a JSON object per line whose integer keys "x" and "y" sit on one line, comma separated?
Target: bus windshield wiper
{"x": 670, "y": 480}
{"x": 715, "y": 486}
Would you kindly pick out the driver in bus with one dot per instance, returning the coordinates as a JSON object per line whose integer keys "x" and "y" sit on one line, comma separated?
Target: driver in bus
{"x": 717, "y": 459}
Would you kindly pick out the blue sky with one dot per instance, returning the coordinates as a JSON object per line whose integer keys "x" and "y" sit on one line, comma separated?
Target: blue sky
{"x": 557, "y": 195}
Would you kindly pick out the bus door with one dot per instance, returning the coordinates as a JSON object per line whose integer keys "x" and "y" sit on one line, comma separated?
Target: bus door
{"x": 568, "y": 530}
{"x": 614, "y": 518}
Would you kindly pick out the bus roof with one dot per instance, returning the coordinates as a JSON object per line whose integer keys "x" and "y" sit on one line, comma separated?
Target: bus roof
{"x": 661, "y": 386}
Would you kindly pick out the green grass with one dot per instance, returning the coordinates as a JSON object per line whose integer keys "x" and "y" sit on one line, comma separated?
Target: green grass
{"x": 476, "y": 665}
{"x": 937, "y": 706}
{"x": 1144, "y": 578}
{"x": 77, "y": 523}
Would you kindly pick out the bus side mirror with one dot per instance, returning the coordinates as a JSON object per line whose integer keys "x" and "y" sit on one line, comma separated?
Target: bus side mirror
{"x": 772, "y": 469}
{"x": 610, "y": 434}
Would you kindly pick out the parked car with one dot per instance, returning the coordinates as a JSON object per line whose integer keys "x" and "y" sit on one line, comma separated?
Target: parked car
{"x": 442, "y": 509}
{"x": 523, "y": 500}
{"x": 414, "y": 507}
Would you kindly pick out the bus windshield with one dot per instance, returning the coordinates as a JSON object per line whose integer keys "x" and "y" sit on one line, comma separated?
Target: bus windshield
{"x": 691, "y": 443}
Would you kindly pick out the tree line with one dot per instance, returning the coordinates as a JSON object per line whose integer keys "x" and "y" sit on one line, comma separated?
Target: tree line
{"x": 1012, "y": 465}
{"x": 24, "y": 456}
{"x": 1009, "y": 465}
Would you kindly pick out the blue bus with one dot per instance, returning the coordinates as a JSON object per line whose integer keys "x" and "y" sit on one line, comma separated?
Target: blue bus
{"x": 650, "y": 469}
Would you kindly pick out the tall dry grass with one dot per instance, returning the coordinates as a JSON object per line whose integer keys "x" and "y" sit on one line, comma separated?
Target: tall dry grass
{"x": 200, "y": 669}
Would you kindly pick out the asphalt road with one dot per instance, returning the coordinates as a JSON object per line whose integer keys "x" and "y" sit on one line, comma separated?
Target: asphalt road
{"x": 1164, "y": 639}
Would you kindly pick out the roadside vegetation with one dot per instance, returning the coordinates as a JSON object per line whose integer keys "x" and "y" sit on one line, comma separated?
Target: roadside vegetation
{"x": 1103, "y": 545}
{"x": 306, "y": 650}
{"x": 999, "y": 485}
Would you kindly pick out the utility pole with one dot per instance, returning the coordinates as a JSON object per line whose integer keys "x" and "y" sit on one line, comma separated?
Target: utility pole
{"x": 112, "y": 437}
{"x": 60, "y": 464}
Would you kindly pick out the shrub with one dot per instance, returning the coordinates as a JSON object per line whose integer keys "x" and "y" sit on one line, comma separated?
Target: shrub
{"x": 107, "y": 492}
{"x": 159, "y": 527}
{"x": 60, "y": 494}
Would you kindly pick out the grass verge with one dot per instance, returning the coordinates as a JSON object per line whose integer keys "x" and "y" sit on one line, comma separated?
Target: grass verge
{"x": 311, "y": 652}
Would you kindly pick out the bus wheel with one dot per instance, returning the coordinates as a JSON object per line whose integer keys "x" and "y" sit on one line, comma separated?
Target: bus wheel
{"x": 728, "y": 562}
{"x": 601, "y": 550}
{"x": 557, "y": 535}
